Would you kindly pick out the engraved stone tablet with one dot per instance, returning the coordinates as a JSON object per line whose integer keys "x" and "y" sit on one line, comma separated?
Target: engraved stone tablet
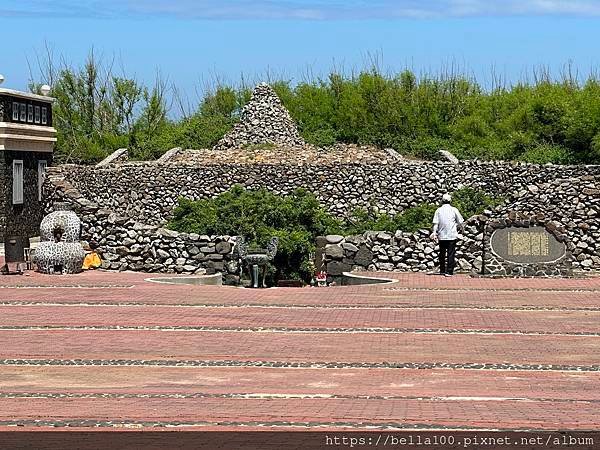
{"x": 527, "y": 245}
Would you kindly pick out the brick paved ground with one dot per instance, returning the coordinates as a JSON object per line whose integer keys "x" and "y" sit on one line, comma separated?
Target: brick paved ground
{"x": 110, "y": 350}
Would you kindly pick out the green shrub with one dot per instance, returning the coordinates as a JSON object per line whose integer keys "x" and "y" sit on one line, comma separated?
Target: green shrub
{"x": 321, "y": 137}
{"x": 427, "y": 147}
{"x": 362, "y": 220}
{"x": 416, "y": 218}
{"x": 545, "y": 153}
{"x": 471, "y": 202}
{"x": 549, "y": 120}
{"x": 296, "y": 219}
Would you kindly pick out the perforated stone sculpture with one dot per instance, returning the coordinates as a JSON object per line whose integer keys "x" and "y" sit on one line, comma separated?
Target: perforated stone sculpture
{"x": 257, "y": 258}
{"x": 59, "y": 250}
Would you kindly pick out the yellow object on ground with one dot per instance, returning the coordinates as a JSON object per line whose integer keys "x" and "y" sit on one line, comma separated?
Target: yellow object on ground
{"x": 92, "y": 261}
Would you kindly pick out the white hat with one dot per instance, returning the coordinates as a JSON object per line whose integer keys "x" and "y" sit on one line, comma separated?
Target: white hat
{"x": 447, "y": 197}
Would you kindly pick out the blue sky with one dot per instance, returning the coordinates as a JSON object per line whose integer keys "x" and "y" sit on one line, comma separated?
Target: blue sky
{"x": 192, "y": 42}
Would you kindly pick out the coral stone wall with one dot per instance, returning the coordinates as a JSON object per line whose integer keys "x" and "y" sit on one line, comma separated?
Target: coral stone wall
{"x": 570, "y": 205}
{"x": 126, "y": 244}
{"x": 146, "y": 193}
{"x": 400, "y": 251}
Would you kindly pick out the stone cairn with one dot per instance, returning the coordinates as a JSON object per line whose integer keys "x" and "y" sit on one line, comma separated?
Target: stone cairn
{"x": 264, "y": 120}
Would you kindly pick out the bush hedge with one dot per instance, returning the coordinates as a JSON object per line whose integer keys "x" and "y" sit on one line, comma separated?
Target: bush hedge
{"x": 297, "y": 219}
{"x": 258, "y": 216}
{"x": 548, "y": 120}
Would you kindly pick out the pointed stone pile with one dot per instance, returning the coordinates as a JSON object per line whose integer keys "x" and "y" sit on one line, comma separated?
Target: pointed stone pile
{"x": 264, "y": 120}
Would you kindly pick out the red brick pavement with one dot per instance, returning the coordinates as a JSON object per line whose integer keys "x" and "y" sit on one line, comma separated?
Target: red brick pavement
{"x": 435, "y": 383}
{"x": 297, "y": 319}
{"x": 404, "y": 280}
{"x": 235, "y": 396}
{"x": 300, "y": 347}
{"x": 449, "y": 413}
{"x": 411, "y": 290}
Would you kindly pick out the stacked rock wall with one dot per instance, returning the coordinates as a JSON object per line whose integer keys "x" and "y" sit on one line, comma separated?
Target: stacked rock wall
{"x": 550, "y": 256}
{"x": 400, "y": 251}
{"x": 148, "y": 192}
{"x": 130, "y": 245}
{"x": 571, "y": 205}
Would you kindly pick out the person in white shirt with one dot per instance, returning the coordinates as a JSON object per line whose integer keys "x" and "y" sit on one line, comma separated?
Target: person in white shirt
{"x": 446, "y": 222}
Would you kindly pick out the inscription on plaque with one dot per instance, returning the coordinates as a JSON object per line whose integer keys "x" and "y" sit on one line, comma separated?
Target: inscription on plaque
{"x": 527, "y": 245}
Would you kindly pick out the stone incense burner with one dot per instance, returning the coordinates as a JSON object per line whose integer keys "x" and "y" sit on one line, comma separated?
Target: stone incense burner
{"x": 256, "y": 259}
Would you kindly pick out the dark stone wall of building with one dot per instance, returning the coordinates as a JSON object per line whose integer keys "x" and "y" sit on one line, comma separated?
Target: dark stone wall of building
{"x": 25, "y": 219}
{"x": 3, "y": 183}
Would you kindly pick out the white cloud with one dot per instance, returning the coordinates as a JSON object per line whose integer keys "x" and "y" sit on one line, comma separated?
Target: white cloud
{"x": 300, "y": 9}
{"x": 523, "y": 7}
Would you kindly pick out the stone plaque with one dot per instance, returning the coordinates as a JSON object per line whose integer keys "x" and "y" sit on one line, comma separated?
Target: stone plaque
{"x": 527, "y": 245}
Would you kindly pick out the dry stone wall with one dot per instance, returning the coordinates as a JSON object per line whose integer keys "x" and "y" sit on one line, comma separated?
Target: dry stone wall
{"x": 400, "y": 251}
{"x": 573, "y": 205}
{"x": 127, "y": 244}
{"x": 526, "y": 245}
{"x": 148, "y": 192}
{"x": 569, "y": 205}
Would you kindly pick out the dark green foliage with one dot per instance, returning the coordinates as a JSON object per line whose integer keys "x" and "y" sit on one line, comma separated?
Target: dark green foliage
{"x": 362, "y": 220}
{"x": 549, "y": 120}
{"x": 97, "y": 112}
{"x": 469, "y": 202}
{"x": 296, "y": 219}
{"x": 410, "y": 220}
{"x": 418, "y": 218}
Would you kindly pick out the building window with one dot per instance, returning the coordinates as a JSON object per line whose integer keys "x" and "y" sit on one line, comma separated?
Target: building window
{"x": 42, "y": 166}
{"x": 30, "y": 113}
{"x": 44, "y": 115}
{"x": 15, "y": 111}
{"x": 18, "y": 182}
{"x": 37, "y": 114}
{"x": 23, "y": 110}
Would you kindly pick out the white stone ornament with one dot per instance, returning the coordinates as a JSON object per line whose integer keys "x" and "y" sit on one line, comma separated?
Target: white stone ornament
{"x": 66, "y": 254}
